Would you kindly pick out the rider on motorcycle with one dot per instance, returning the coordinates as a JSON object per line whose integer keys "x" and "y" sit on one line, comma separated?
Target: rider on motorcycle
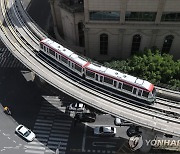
{"x": 6, "y": 109}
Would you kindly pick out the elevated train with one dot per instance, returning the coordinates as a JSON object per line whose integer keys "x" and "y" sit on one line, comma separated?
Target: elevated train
{"x": 125, "y": 83}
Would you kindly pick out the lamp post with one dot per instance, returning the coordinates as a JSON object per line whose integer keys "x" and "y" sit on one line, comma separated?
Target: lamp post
{"x": 57, "y": 150}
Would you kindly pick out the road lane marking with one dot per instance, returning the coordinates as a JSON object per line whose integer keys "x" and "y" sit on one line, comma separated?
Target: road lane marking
{"x": 84, "y": 138}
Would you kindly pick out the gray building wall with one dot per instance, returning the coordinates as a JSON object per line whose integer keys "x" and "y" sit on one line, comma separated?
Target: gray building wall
{"x": 120, "y": 33}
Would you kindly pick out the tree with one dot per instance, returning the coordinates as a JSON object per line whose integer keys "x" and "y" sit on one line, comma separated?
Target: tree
{"x": 151, "y": 66}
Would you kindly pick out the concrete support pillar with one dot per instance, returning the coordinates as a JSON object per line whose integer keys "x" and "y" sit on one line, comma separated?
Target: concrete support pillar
{"x": 153, "y": 38}
{"x": 123, "y": 11}
{"x": 86, "y": 52}
{"x": 53, "y": 12}
{"x": 160, "y": 11}
{"x": 120, "y": 47}
{"x": 57, "y": 24}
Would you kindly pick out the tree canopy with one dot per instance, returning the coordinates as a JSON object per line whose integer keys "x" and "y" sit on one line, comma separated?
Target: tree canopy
{"x": 150, "y": 65}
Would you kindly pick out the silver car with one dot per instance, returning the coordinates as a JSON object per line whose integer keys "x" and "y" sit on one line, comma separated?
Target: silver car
{"x": 25, "y": 133}
{"x": 77, "y": 107}
{"x": 105, "y": 131}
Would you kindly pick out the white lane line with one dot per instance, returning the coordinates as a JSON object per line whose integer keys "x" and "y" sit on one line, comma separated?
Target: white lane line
{"x": 42, "y": 124}
{"x": 41, "y": 131}
{"x": 34, "y": 147}
{"x": 58, "y": 139}
{"x": 84, "y": 138}
{"x": 60, "y": 131}
{"x": 32, "y": 151}
{"x": 59, "y": 135}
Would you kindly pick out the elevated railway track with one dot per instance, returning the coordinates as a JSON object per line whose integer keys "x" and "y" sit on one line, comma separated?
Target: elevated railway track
{"x": 21, "y": 36}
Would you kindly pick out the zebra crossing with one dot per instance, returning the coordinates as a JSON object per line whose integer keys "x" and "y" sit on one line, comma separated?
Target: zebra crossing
{"x": 52, "y": 128}
{"x": 7, "y": 60}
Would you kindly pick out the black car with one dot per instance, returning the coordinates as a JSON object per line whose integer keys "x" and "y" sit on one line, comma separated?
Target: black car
{"x": 85, "y": 117}
{"x": 133, "y": 130}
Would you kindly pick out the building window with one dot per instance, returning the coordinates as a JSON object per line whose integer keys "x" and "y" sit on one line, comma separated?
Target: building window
{"x": 103, "y": 44}
{"x": 136, "y": 43}
{"x": 140, "y": 16}
{"x": 175, "y": 17}
{"x": 167, "y": 44}
{"x": 105, "y": 15}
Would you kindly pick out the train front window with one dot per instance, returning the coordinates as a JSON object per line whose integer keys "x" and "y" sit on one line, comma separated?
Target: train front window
{"x": 145, "y": 94}
{"x": 154, "y": 92}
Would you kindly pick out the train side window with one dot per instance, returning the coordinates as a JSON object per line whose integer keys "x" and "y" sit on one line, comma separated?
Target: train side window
{"x": 127, "y": 87}
{"x": 64, "y": 60}
{"x": 96, "y": 77}
{"x": 120, "y": 85}
{"x": 145, "y": 94}
{"x": 52, "y": 52}
{"x": 139, "y": 92}
{"x": 44, "y": 48}
{"x": 115, "y": 83}
{"x": 101, "y": 78}
{"x": 69, "y": 63}
{"x": 78, "y": 68}
{"x": 134, "y": 91}
{"x": 108, "y": 80}
{"x": 90, "y": 74}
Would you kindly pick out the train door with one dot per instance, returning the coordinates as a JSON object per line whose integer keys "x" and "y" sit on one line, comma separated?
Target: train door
{"x": 101, "y": 79}
{"x": 71, "y": 65}
{"x": 135, "y": 91}
{"x": 140, "y": 92}
{"x": 56, "y": 56}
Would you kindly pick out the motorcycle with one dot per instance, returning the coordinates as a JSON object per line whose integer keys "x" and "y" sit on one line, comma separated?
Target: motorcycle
{"x": 7, "y": 111}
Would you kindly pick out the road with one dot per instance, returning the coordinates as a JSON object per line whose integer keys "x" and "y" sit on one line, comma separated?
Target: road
{"x": 47, "y": 116}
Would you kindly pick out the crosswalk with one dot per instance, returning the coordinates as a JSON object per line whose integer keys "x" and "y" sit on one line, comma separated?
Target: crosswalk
{"x": 52, "y": 128}
{"x": 7, "y": 60}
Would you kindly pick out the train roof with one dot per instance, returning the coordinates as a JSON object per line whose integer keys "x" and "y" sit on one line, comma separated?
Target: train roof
{"x": 121, "y": 76}
{"x": 78, "y": 59}
{"x": 59, "y": 48}
{"x": 96, "y": 67}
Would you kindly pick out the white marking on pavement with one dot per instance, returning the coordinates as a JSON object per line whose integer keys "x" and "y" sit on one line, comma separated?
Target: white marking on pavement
{"x": 84, "y": 138}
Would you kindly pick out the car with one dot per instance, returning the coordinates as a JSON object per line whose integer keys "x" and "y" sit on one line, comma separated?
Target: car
{"x": 77, "y": 107}
{"x": 85, "y": 117}
{"x": 26, "y": 133}
{"x": 121, "y": 122}
{"x": 105, "y": 131}
{"x": 133, "y": 130}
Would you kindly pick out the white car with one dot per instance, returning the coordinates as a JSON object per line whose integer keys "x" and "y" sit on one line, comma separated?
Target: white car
{"x": 25, "y": 133}
{"x": 121, "y": 122}
{"x": 77, "y": 107}
{"x": 105, "y": 131}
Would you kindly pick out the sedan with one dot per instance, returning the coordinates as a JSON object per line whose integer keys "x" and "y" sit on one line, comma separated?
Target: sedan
{"x": 77, "y": 107}
{"x": 121, "y": 122}
{"x": 85, "y": 117}
{"x": 105, "y": 131}
{"x": 25, "y": 133}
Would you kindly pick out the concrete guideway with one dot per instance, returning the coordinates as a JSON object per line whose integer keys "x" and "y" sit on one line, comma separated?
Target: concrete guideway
{"x": 74, "y": 89}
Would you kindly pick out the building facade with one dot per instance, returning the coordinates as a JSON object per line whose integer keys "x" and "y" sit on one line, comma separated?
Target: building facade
{"x": 115, "y": 29}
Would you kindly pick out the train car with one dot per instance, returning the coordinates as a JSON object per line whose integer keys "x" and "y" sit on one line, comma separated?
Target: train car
{"x": 107, "y": 77}
{"x": 128, "y": 84}
{"x": 63, "y": 56}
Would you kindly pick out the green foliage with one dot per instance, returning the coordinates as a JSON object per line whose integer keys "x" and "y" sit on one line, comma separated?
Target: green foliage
{"x": 151, "y": 66}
